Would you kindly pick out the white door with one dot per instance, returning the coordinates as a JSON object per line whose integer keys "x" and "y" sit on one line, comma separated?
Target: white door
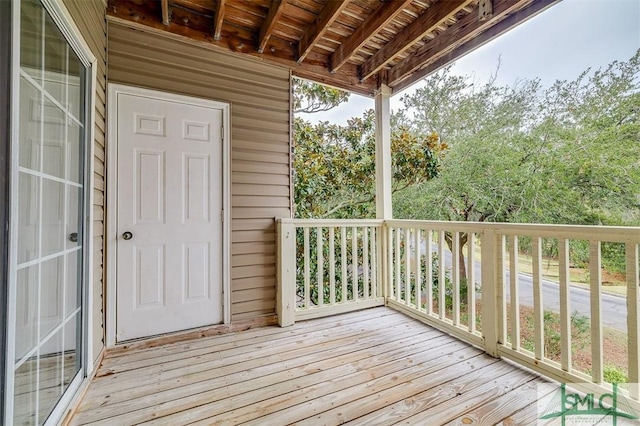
{"x": 169, "y": 219}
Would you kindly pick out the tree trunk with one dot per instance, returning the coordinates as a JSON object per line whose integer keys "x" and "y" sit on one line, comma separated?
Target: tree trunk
{"x": 462, "y": 268}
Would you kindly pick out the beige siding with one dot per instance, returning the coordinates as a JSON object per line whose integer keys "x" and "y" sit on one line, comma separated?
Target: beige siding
{"x": 90, "y": 17}
{"x": 259, "y": 95}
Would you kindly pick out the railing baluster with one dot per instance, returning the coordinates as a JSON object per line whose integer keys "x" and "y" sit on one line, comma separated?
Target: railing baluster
{"x": 343, "y": 263}
{"x": 429, "y": 272}
{"x": 418, "y": 245}
{"x": 354, "y": 258}
{"x": 407, "y": 266}
{"x": 389, "y": 280}
{"x": 441, "y": 276}
{"x": 455, "y": 277}
{"x": 307, "y": 264}
{"x": 471, "y": 281}
{"x": 595, "y": 278}
{"x": 515, "y": 293}
{"x": 332, "y": 266}
{"x": 365, "y": 261}
{"x": 374, "y": 262}
{"x": 565, "y": 319}
{"x": 538, "y": 302}
{"x": 397, "y": 264}
{"x": 320, "y": 258}
{"x": 633, "y": 309}
{"x": 500, "y": 291}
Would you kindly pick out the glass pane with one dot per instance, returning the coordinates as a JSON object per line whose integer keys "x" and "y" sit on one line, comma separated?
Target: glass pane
{"x": 50, "y": 210}
{"x": 53, "y": 220}
{"x": 50, "y": 380}
{"x": 71, "y": 349}
{"x": 26, "y": 311}
{"x": 30, "y": 101}
{"x": 25, "y": 393}
{"x": 74, "y": 92}
{"x": 31, "y": 38}
{"x": 54, "y": 123}
{"x": 75, "y": 152}
{"x": 55, "y": 61}
{"x": 72, "y": 287}
{"x": 28, "y": 209}
{"x": 51, "y": 295}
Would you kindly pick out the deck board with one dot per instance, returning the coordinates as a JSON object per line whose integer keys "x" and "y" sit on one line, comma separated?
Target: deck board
{"x": 376, "y": 366}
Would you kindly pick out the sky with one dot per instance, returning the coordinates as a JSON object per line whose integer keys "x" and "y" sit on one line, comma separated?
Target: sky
{"x": 557, "y": 44}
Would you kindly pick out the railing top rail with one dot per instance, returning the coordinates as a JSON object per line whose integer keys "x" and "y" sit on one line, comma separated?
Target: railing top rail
{"x": 585, "y": 232}
{"x": 312, "y": 223}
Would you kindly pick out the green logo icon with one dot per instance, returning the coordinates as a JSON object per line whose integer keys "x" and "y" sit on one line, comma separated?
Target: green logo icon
{"x": 574, "y": 406}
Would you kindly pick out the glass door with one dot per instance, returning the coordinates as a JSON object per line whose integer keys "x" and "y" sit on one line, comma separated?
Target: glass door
{"x": 50, "y": 195}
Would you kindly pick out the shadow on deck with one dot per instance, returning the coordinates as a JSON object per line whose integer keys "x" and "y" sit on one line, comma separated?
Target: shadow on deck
{"x": 375, "y": 366}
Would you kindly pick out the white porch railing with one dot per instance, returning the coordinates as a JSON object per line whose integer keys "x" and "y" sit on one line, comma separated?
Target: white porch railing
{"x": 332, "y": 266}
{"x": 327, "y": 267}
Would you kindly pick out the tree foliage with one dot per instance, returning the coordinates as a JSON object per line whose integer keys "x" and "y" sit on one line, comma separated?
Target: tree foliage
{"x": 566, "y": 154}
{"x": 310, "y": 97}
{"x": 335, "y": 166}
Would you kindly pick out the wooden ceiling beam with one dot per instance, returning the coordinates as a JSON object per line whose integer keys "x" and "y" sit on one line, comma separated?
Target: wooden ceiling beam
{"x": 135, "y": 15}
{"x": 463, "y": 31}
{"x": 166, "y": 16}
{"x": 434, "y": 16}
{"x": 217, "y": 30}
{"x": 490, "y": 34}
{"x": 325, "y": 18}
{"x": 275, "y": 11}
{"x": 386, "y": 12}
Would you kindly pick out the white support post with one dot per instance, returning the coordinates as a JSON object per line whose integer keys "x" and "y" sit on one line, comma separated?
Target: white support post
{"x": 383, "y": 154}
{"x": 286, "y": 297}
{"x": 490, "y": 311}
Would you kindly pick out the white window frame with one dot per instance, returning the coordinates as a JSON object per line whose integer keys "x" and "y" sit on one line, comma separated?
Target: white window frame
{"x": 73, "y": 36}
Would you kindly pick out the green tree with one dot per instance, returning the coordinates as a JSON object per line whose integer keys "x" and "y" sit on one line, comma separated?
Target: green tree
{"x": 335, "y": 166}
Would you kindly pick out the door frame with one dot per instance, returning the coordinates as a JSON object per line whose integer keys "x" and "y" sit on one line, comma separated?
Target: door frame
{"x": 114, "y": 90}
{"x": 5, "y": 163}
{"x": 74, "y": 37}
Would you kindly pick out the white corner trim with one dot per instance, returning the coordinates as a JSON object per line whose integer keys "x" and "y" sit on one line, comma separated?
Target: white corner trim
{"x": 114, "y": 90}
{"x": 70, "y": 30}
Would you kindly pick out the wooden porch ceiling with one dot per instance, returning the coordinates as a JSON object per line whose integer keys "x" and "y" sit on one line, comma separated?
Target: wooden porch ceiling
{"x": 352, "y": 44}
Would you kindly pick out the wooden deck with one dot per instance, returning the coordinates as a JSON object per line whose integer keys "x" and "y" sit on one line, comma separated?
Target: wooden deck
{"x": 370, "y": 367}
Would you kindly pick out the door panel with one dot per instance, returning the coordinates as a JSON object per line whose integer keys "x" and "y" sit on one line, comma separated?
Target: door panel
{"x": 48, "y": 288}
{"x": 169, "y": 274}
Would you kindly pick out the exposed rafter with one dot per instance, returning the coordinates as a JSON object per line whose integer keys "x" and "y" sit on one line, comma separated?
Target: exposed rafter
{"x": 320, "y": 39}
{"x": 424, "y": 24}
{"x": 275, "y": 10}
{"x": 374, "y": 23}
{"x": 493, "y": 32}
{"x": 329, "y": 14}
{"x": 457, "y": 35}
{"x": 217, "y": 30}
{"x": 166, "y": 16}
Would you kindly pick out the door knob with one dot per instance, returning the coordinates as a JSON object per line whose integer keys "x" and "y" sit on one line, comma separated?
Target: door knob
{"x": 73, "y": 237}
{"x": 127, "y": 235}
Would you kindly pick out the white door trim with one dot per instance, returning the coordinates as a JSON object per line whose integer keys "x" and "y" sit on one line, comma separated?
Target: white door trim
{"x": 112, "y": 196}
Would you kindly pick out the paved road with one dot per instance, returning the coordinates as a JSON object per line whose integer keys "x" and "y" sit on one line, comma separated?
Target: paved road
{"x": 614, "y": 308}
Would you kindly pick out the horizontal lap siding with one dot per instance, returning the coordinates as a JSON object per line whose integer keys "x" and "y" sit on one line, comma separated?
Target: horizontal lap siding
{"x": 90, "y": 18}
{"x": 259, "y": 95}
